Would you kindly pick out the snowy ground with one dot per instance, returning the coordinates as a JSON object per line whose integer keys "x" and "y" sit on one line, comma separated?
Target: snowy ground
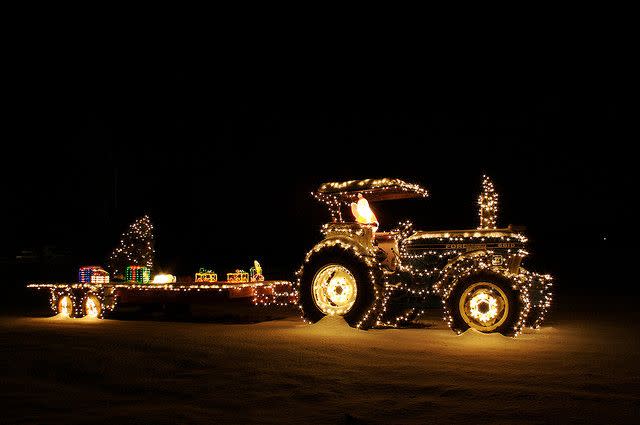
{"x": 57, "y": 370}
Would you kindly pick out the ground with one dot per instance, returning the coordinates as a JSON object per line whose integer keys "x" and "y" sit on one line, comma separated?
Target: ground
{"x": 581, "y": 367}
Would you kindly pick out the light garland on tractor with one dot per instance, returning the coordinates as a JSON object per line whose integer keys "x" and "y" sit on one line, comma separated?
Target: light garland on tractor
{"x": 488, "y": 203}
{"x": 523, "y": 281}
{"x": 366, "y": 256}
{"x": 443, "y": 288}
{"x": 337, "y": 194}
{"x": 432, "y": 263}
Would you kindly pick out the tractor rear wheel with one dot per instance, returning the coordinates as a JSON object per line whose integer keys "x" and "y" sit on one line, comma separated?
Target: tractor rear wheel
{"x": 335, "y": 282}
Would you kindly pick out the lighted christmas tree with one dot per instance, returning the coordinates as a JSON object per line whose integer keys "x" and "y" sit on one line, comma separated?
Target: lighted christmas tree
{"x": 136, "y": 247}
{"x": 488, "y": 202}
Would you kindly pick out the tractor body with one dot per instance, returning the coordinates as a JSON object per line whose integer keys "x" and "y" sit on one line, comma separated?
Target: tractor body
{"x": 391, "y": 277}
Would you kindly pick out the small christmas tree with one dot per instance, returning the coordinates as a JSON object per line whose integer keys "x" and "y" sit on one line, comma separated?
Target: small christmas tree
{"x": 136, "y": 247}
{"x": 488, "y": 202}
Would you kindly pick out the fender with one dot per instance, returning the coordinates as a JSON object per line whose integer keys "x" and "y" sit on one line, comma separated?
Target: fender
{"x": 348, "y": 244}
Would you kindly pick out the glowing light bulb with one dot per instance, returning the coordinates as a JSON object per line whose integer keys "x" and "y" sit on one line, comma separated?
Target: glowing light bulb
{"x": 164, "y": 278}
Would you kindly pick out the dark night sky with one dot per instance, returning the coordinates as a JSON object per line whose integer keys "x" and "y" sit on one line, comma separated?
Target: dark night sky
{"x": 224, "y": 165}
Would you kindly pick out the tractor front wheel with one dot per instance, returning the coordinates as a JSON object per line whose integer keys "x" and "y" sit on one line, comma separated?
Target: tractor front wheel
{"x": 485, "y": 302}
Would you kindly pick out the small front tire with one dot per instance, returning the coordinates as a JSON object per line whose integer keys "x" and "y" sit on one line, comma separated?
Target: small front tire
{"x": 485, "y": 302}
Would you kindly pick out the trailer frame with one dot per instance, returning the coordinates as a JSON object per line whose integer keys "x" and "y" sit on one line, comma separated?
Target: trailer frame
{"x": 109, "y": 295}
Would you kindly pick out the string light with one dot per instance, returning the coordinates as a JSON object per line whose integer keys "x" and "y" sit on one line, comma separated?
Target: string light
{"x": 337, "y": 194}
{"x": 488, "y": 203}
{"x": 104, "y": 297}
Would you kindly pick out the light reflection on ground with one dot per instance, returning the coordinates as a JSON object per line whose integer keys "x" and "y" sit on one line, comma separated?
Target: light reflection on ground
{"x": 285, "y": 371}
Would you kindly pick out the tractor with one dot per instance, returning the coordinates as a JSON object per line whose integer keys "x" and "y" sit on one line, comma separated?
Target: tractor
{"x": 389, "y": 278}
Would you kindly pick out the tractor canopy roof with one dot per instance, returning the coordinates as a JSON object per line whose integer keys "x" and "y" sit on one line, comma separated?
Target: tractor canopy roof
{"x": 372, "y": 189}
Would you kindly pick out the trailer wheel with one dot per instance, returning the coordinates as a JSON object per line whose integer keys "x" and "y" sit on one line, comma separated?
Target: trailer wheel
{"x": 65, "y": 306}
{"x": 336, "y": 283}
{"x": 92, "y": 307}
{"x": 485, "y": 302}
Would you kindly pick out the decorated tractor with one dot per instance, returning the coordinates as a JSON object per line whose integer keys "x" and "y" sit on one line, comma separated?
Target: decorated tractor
{"x": 382, "y": 279}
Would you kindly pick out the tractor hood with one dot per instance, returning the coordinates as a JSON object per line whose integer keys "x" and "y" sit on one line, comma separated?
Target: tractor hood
{"x": 466, "y": 240}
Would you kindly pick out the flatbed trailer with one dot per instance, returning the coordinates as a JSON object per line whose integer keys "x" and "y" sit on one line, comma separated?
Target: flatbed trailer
{"x": 97, "y": 299}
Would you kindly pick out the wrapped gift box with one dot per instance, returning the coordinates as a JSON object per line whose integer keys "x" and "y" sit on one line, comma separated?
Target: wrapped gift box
{"x": 139, "y": 274}
{"x": 92, "y": 274}
{"x": 204, "y": 276}
{"x": 238, "y": 276}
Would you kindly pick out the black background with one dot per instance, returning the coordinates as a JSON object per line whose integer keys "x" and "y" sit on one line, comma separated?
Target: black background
{"x": 223, "y": 162}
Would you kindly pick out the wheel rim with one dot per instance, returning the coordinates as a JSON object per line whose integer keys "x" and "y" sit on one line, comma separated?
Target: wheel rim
{"x": 334, "y": 290}
{"x": 65, "y": 306}
{"x": 92, "y": 306}
{"x": 484, "y": 306}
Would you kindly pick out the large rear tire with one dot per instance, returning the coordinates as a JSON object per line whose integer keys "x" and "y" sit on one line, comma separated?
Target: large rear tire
{"x": 485, "y": 302}
{"x": 337, "y": 282}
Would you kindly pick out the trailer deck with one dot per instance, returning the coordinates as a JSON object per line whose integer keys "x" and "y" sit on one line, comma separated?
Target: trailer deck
{"x": 95, "y": 299}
